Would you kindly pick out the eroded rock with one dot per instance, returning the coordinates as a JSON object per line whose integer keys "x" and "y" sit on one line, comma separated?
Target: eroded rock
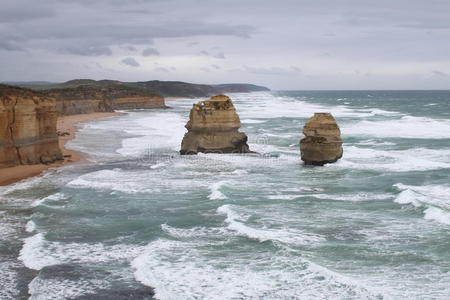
{"x": 322, "y": 143}
{"x": 213, "y": 127}
{"x": 27, "y": 128}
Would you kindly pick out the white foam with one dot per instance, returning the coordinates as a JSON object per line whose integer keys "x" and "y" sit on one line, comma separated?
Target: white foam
{"x": 252, "y": 121}
{"x": 266, "y": 105}
{"x": 409, "y": 197}
{"x": 58, "y": 289}
{"x": 239, "y": 172}
{"x": 434, "y": 198}
{"x": 30, "y": 226}
{"x": 283, "y": 197}
{"x": 436, "y": 195}
{"x": 360, "y": 196}
{"x": 178, "y": 270}
{"x": 437, "y": 214}
{"x": 415, "y": 159}
{"x": 116, "y": 180}
{"x": 37, "y": 252}
{"x": 404, "y": 127}
{"x": 158, "y": 165}
{"x": 154, "y": 131}
{"x": 32, "y": 256}
{"x": 216, "y": 194}
{"x": 195, "y": 232}
{"x": 236, "y": 223}
{"x": 372, "y": 142}
{"x": 8, "y": 280}
{"x": 53, "y": 197}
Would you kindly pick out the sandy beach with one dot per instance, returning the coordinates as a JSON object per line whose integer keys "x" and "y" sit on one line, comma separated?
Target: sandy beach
{"x": 64, "y": 124}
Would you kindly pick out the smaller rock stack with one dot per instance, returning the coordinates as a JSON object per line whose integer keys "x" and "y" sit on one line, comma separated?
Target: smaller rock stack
{"x": 213, "y": 127}
{"x": 322, "y": 143}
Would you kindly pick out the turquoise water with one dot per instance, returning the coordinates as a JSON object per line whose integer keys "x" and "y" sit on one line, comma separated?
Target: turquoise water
{"x": 138, "y": 216}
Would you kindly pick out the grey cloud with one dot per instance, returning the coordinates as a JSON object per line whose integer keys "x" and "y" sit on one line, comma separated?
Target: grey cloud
{"x": 439, "y": 73}
{"x": 88, "y": 50}
{"x": 131, "y": 48}
{"x": 150, "y": 52}
{"x": 190, "y": 44}
{"x": 19, "y": 11}
{"x": 162, "y": 69}
{"x": 98, "y": 35}
{"x": 272, "y": 70}
{"x": 130, "y": 61}
{"x": 395, "y": 40}
{"x": 219, "y": 55}
{"x": 9, "y": 46}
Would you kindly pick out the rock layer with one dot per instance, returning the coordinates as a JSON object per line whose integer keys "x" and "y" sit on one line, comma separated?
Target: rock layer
{"x": 213, "y": 127}
{"x": 139, "y": 102}
{"x": 27, "y": 128}
{"x": 322, "y": 143}
{"x": 87, "y": 99}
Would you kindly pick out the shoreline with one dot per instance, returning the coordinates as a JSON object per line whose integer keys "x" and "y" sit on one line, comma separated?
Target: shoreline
{"x": 64, "y": 124}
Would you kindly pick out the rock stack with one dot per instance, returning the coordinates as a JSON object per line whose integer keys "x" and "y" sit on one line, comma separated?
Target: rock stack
{"x": 322, "y": 143}
{"x": 213, "y": 127}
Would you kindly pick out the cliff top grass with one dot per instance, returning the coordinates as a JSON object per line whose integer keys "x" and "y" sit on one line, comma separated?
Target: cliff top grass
{"x": 11, "y": 90}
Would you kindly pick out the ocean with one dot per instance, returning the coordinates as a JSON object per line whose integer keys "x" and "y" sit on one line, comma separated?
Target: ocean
{"x": 137, "y": 218}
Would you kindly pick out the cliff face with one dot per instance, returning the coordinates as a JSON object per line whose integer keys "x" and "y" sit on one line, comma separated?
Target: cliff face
{"x": 82, "y": 106}
{"x": 90, "y": 98}
{"x": 322, "y": 143}
{"x": 213, "y": 128}
{"x": 139, "y": 102}
{"x": 27, "y": 128}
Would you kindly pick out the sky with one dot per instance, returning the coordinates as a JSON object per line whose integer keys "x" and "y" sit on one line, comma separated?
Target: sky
{"x": 282, "y": 44}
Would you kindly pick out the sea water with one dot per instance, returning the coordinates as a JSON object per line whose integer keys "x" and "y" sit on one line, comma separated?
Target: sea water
{"x": 138, "y": 218}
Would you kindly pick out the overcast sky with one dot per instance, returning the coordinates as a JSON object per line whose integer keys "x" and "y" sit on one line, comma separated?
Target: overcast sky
{"x": 283, "y": 44}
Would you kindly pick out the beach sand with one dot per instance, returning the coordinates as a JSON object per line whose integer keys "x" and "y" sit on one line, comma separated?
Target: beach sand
{"x": 64, "y": 124}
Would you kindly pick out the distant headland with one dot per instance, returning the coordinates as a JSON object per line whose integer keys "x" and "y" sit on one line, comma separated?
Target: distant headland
{"x": 163, "y": 88}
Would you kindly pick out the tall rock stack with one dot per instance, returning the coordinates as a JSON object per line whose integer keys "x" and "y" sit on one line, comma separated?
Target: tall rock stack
{"x": 322, "y": 143}
{"x": 213, "y": 127}
{"x": 27, "y": 128}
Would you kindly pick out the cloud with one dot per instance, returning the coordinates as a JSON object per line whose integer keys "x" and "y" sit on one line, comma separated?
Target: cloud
{"x": 162, "y": 69}
{"x": 150, "y": 52}
{"x": 53, "y": 39}
{"x": 88, "y": 50}
{"x": 9, "y": 45}
{"x": 131, "y": 48}
{"x": 273, "y": 70}
{"x": 97, "y": 33}
{"x": 190, "y": 44}
{"x": 439, "y": 73}
{"x": 219, "y": 55}
{"x": 16, "y": 11}
{"x": 130, "y": 61}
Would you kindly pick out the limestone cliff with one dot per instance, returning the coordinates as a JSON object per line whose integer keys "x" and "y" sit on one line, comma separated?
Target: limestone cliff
{"x": 213, "y": 127}
{"x": 27, "y": 128}
{"x": 322, "y": 143}
{"x": 93, "y": 98}
{"x": 139, "y": 102}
